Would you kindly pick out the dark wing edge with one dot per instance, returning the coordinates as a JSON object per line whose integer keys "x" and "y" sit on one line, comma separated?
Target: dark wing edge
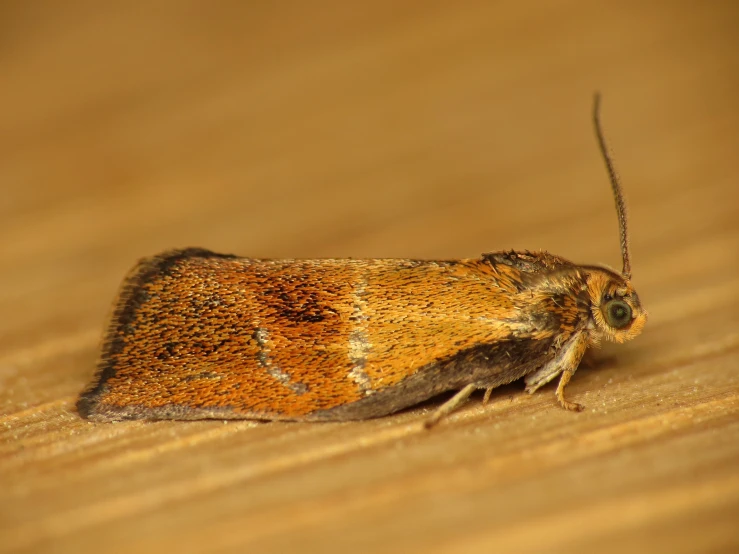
{"x": 130, "y": 296}
{"x": 529, "y": 262}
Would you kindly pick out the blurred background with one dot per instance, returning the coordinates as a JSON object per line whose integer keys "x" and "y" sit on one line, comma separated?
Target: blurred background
{"x": 345, "y": 129}
{"x": 335, "y": 129}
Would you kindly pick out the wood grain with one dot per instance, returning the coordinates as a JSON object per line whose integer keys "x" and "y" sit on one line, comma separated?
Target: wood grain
{"x": 415, "y": 130}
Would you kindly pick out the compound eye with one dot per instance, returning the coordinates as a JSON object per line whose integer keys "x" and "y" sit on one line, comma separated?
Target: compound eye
{"x": 618, "y": 313}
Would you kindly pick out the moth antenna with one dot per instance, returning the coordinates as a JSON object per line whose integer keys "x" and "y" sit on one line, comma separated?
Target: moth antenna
{"x": 618, "y": 193}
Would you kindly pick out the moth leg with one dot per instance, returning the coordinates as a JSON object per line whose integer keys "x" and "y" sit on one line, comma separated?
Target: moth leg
{"x": 565, "y": 362}
{"x": 566, "y": 404}
{"x": 485, "y": 398}
{"x": 542, "y": 376}
{"x": 450, "y": 405}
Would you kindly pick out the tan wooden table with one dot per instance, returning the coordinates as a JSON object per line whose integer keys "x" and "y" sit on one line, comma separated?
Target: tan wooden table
{"x": 382, "y": 129}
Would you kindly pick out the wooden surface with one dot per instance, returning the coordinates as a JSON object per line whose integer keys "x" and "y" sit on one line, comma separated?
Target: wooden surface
{"x": 417, "y": 129}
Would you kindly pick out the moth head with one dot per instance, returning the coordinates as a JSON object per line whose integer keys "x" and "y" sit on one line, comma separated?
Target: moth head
{"x": 616, "y": 311}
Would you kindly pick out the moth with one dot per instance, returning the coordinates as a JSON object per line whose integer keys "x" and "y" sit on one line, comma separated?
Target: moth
{"x": 197, "y": 335}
